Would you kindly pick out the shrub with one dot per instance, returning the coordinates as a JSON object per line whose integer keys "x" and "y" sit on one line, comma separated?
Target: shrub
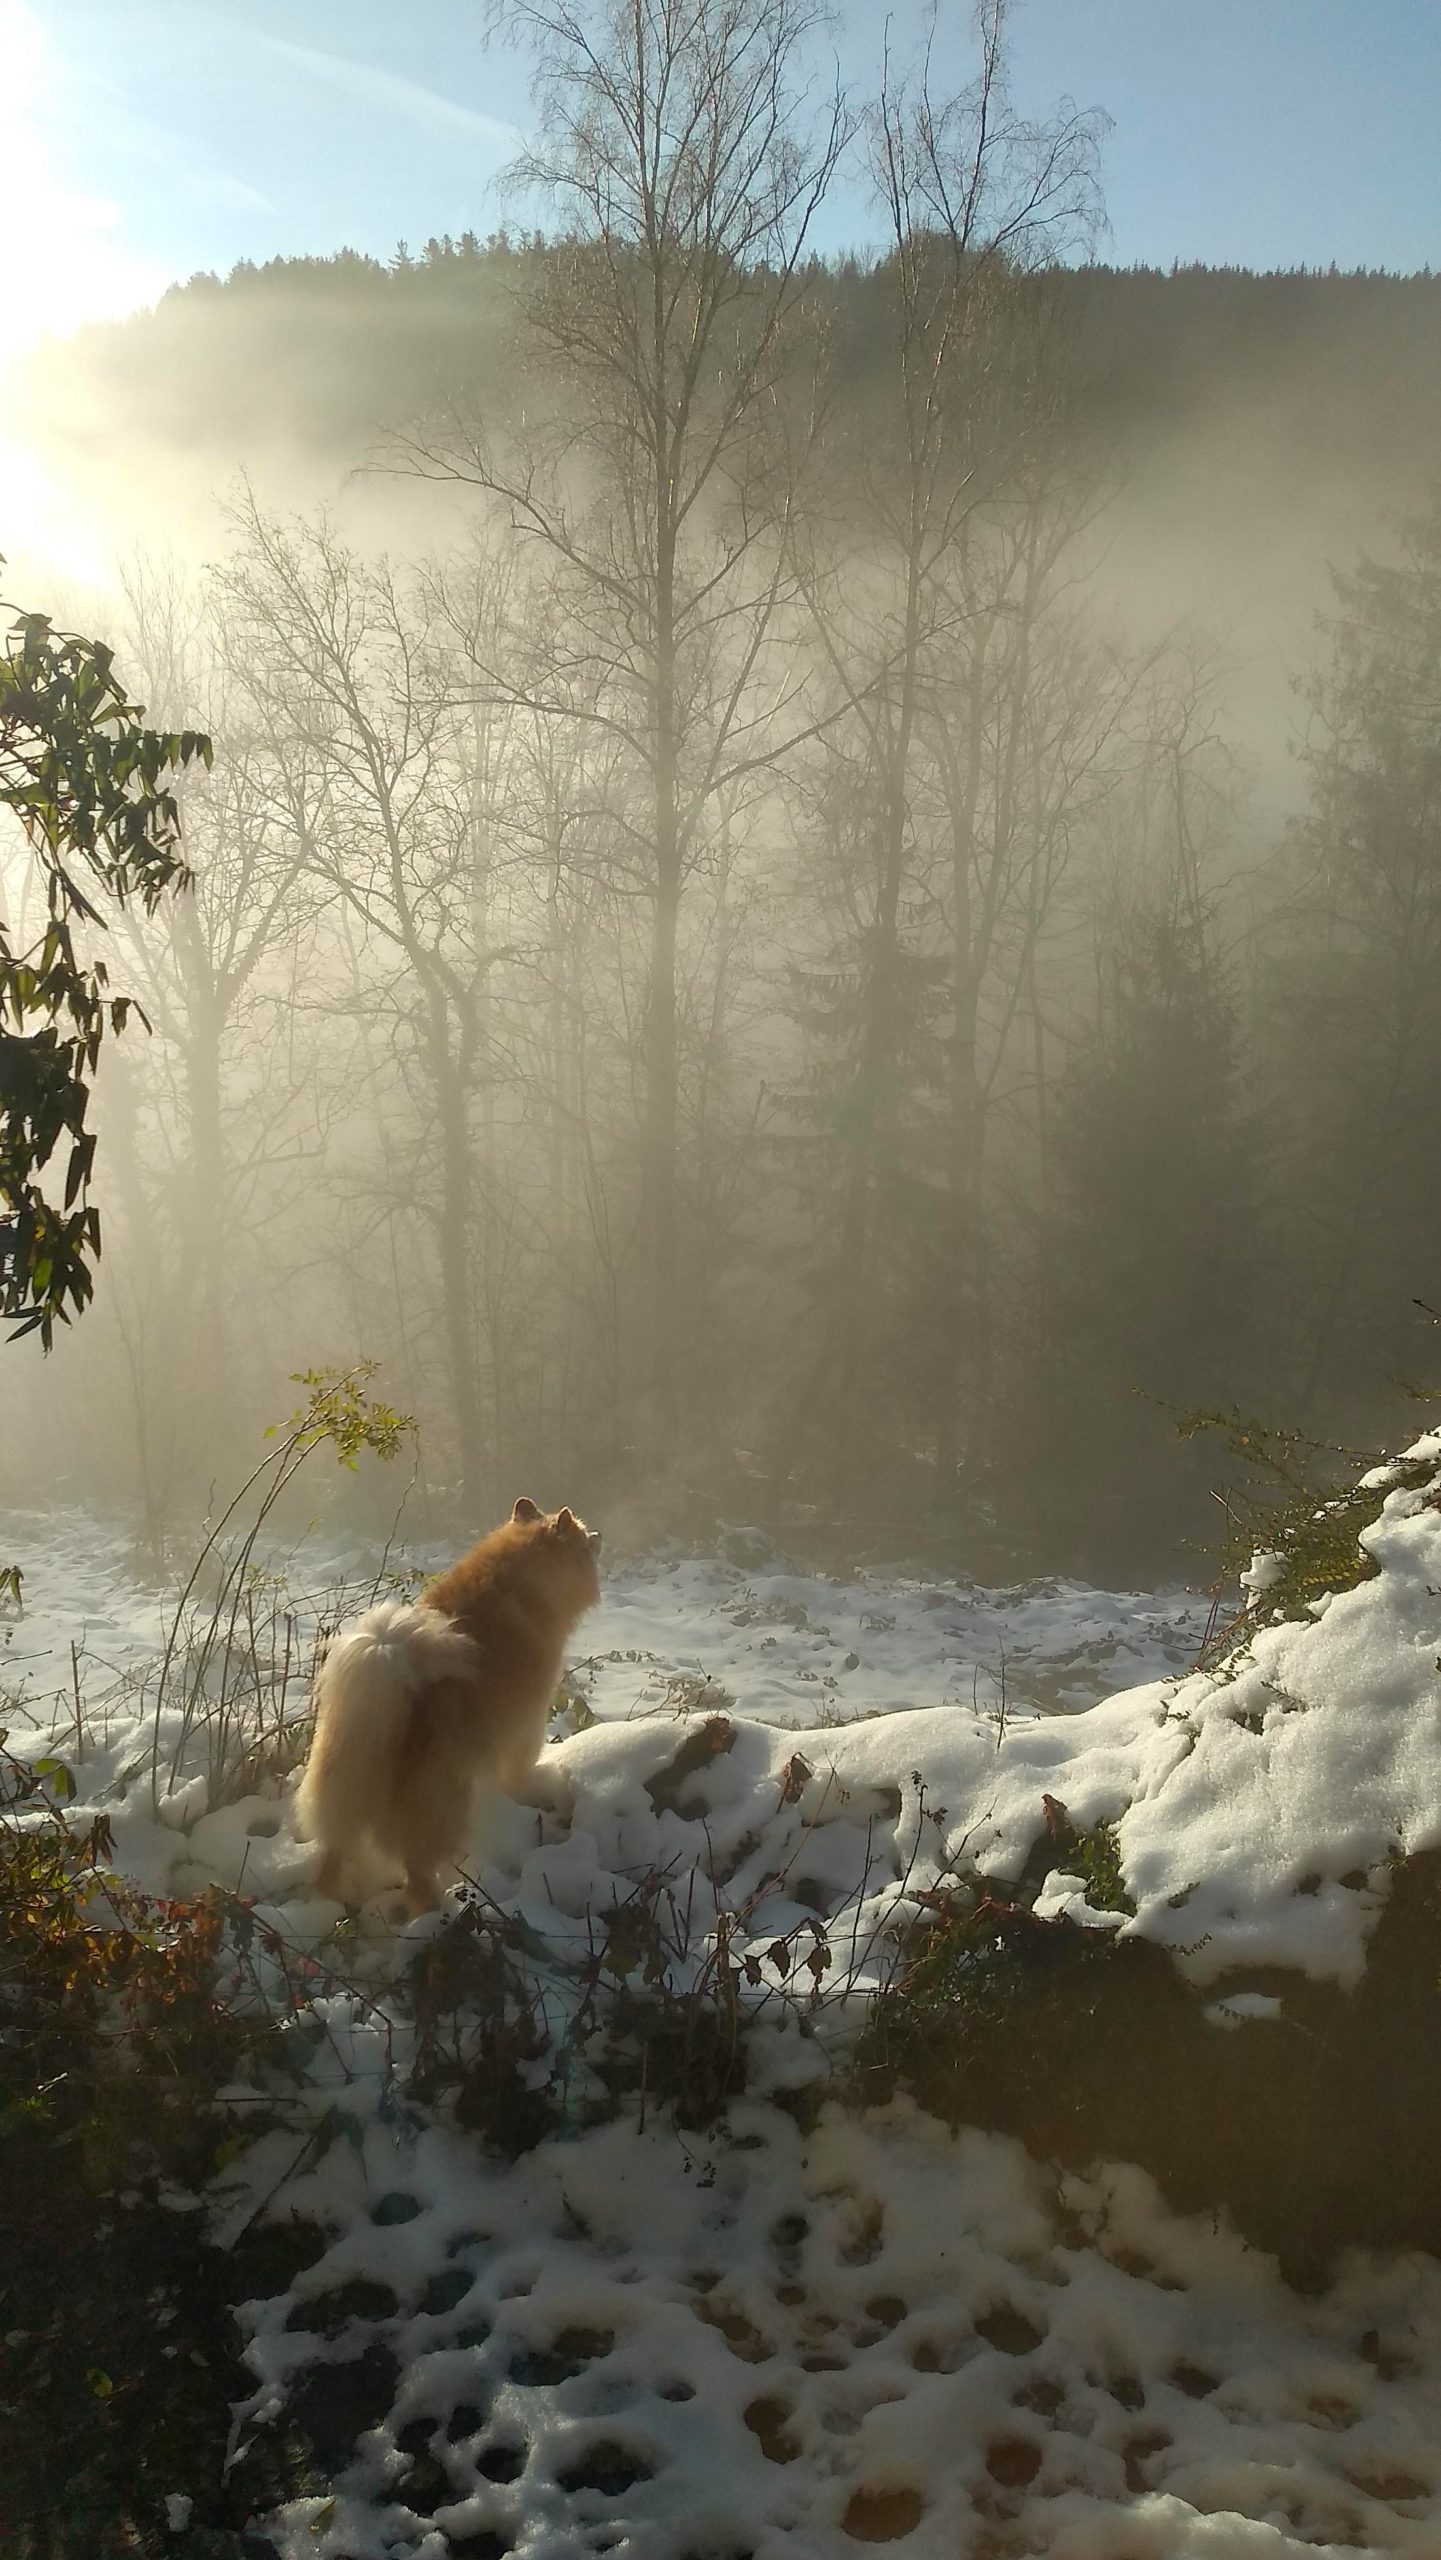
{"x": 117, "y": 2029}
{"x": 1299, "y": 1506}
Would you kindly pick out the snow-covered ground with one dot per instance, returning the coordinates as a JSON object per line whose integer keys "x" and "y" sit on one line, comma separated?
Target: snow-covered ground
{"x": 783, "y": 2343}
{"x": 783, "y": 1647}
{"x": 878, "y": 2331}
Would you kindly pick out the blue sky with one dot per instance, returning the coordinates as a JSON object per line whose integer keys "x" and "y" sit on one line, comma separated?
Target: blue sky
{"x": 153, "y": 137}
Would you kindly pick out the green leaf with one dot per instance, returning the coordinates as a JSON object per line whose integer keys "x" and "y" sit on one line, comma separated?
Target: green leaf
{"x": 87, "y": 780}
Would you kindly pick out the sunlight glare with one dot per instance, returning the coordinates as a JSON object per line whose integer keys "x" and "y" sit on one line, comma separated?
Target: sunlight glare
{"x": 74, "y": 267}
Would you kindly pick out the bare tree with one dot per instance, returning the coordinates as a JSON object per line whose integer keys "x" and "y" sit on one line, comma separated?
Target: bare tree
{"x": 677, "y": 148}
{"x": 386, "y": 781}
{"x": 1027, "y": 730}
{"x": 937, "y": 553}
{"x": 208, "y": 1121}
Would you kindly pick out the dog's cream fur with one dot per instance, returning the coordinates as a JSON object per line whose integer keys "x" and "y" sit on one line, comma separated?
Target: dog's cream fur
{"x": 420, "y": 1705}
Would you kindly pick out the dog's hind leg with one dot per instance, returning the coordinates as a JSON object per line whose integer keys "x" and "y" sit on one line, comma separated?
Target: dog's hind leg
{"x": 431, "y": 1839}
{"x": 428, "y": 1829}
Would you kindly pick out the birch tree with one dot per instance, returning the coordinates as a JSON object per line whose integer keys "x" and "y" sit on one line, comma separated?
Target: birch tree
{"x": 680, "y": 153}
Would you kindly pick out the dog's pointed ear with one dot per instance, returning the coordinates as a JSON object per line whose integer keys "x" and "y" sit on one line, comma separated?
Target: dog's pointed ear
{"x": 525, "y": 1509}
{"x": 565, "y": 1517}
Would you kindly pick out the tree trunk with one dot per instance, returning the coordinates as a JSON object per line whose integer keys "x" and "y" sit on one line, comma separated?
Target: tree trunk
{"x": 207, "y": 1423}
{"x": 873, "y": 1132}
{"x": 661, "y": 1358}
{"x": 957, "y": 1284}
{"x": 455, "y": 1246}
{"x": 662, "y": 1125}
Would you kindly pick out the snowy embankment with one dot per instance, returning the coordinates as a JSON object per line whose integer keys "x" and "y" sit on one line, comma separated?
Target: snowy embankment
{"x": 805, "y": 2327}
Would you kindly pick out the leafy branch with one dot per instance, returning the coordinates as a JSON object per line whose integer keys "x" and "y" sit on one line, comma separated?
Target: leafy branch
{"x": 89, "y": 785}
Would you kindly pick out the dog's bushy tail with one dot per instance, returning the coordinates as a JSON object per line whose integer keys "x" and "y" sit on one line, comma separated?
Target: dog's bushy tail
{"x": 372, "y": 1676}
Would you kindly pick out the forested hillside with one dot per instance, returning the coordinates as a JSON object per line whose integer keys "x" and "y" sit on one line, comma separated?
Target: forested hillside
{"x": 978, "y": 996}
{"x": 1342, "y": 371}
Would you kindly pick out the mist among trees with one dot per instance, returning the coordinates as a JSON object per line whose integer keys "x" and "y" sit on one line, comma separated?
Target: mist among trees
{"x": 728, "y": 953}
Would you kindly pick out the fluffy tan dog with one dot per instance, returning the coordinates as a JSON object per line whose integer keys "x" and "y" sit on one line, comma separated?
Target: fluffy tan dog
{"x": 420, "y": 1704}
